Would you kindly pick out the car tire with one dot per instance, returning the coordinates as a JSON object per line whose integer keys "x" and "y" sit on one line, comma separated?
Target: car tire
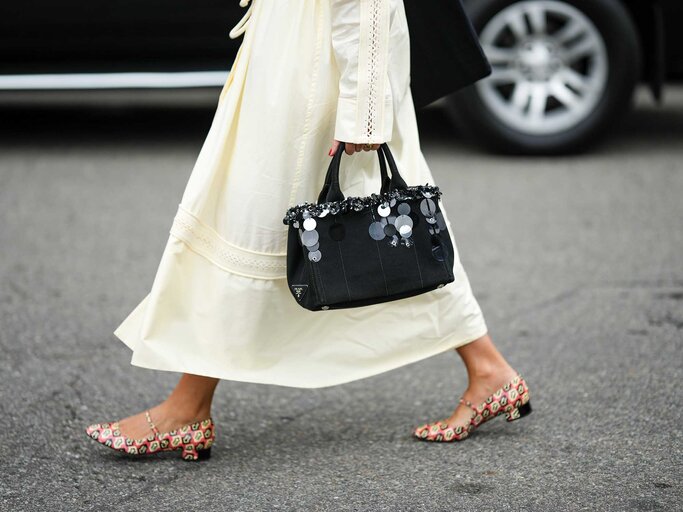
{"x": 484, "y": 111}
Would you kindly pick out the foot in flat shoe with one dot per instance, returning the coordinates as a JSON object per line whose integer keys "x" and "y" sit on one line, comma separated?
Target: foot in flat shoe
{"x": 193, "y": 439}
{"x": 485, "y": 398}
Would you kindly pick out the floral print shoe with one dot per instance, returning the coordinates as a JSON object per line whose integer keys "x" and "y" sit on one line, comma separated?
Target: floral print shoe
{"x": 512, "y": 400}
{"x": 194, "y": 440}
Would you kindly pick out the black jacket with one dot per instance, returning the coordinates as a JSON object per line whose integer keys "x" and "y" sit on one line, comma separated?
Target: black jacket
{"x": 445, "y": 53}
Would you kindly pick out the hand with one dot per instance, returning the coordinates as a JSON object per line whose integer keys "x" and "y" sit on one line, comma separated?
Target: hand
{"x": 351, "y": 148}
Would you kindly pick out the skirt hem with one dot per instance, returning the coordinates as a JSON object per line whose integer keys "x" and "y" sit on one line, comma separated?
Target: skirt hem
{"x": 298, "y": 384}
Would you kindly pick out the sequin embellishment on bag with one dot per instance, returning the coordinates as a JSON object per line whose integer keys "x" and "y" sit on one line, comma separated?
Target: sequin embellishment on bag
{"x": 346, "y": 248}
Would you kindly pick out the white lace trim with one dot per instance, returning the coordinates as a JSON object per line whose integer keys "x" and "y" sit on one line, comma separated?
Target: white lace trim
{"x": 372, "y": 67}
{"x": 206, "y": 241}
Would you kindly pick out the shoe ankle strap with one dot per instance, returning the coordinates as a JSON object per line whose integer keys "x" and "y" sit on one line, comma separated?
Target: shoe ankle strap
{"x": 152, "y": 425}
{"x": 469, "y": 404}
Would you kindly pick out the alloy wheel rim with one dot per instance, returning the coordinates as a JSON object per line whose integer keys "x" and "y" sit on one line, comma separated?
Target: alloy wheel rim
{"x": 550, "y": 66}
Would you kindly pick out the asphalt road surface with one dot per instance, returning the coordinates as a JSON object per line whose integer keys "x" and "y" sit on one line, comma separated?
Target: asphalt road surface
{"x": 576, "y": 261}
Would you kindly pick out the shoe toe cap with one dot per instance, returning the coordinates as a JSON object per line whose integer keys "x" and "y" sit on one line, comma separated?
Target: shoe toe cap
{"x": 102, "y": 431}
{"x": 429, "y": 431}
{"x": 94, "y": 430}
{"x": 421, "y": 431}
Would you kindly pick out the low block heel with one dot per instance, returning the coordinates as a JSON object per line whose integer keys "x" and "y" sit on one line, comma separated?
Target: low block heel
{"x": 192, "y": 454}
{"x": 525, "y": 409}
{"x": 520, "y": 412}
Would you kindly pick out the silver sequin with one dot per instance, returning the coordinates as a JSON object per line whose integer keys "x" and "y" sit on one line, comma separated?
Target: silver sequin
{"x": 404, "y": 208}
{"x": 384, "y": 210}
{"x": 324, "y": 213}
{"x": 315, "y": 256}
{"x": 376, "y": 231}
{"x": 427, "y": 207}
{"x": 406, "y": 231}
{"x": 310, "y": 224}
{"x": 390, "y": 230}
{"x": 403, "y": 220}
{"x": 431, "y": 220}
{"x": 310, "y": 238}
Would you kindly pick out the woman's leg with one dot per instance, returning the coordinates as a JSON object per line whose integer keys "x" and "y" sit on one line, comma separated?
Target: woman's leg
{"x": 190, "y": 401}
{"x": 487, "y": 371}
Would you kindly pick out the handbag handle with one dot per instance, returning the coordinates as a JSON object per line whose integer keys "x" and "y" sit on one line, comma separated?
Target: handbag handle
{"x": 385, "y": 179}
{"x": 331, "y": 190}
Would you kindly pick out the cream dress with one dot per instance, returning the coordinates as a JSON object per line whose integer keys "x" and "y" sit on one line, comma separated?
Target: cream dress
{"x": 307, "y": 71}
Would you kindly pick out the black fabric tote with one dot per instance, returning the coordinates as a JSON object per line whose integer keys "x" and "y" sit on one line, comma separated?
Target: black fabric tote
{"x": 345, "y": 252}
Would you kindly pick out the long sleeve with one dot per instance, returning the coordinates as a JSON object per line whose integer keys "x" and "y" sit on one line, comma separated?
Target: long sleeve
{"x": 360, "y": 41}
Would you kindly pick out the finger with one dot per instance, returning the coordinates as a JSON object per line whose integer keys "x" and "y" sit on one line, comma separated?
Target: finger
{"x": 335, "y": 147}
{"x": 359, "y": 147}
{"x": 350, "y": 149}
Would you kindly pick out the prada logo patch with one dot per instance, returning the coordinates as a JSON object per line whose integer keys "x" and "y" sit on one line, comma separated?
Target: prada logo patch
{"x": 299, "y": 291}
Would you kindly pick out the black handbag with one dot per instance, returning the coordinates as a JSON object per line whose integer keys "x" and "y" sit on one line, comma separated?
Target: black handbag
{"x": 345, "y": 252}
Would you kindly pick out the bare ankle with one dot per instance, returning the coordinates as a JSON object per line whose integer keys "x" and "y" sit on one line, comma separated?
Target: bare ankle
{"x": 489, "y": 370}
{"x": 183, "y": 412}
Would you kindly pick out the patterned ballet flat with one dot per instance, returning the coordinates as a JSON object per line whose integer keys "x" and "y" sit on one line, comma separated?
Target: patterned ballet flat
{"x": 194, "y": 440}
{"x": 512, "y": 400}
